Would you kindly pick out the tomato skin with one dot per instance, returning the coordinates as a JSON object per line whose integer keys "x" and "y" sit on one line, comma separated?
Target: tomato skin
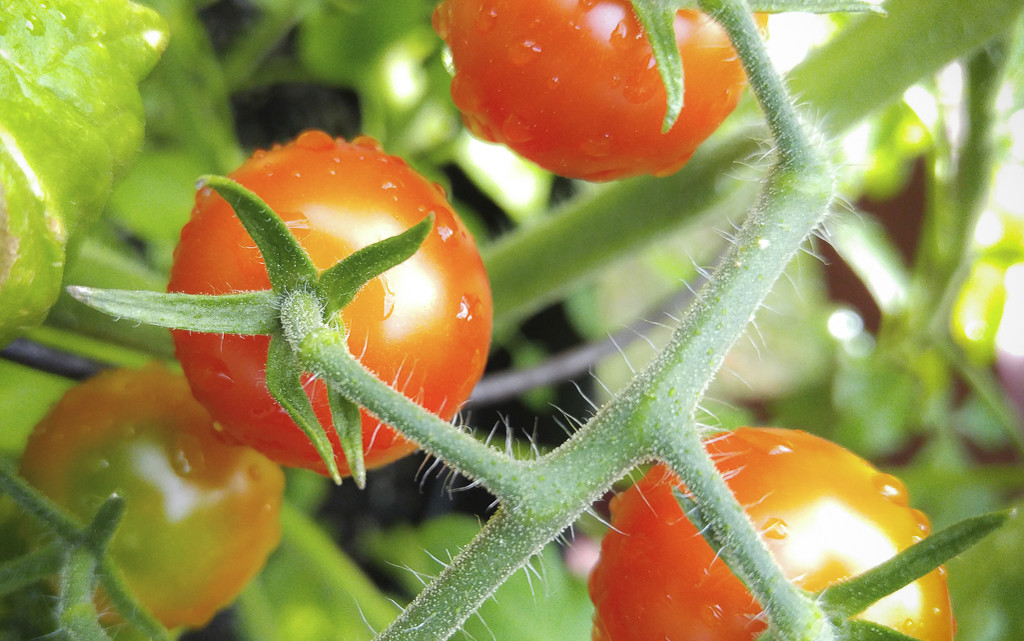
{"x": 423, "y": 327}
{"x": 572, "y": 84}
{"x": 824, "y": 513}
{"x": 201, "y": 516}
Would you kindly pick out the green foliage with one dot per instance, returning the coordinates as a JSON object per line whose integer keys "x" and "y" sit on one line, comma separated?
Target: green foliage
{"x": 71, "y": 123}
{"x": 899, "y": 366}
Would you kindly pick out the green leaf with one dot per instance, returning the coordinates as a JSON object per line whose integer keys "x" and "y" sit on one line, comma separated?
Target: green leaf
{"x": 854, "y": 595}
{"x": 68, "y": 72}
{"x": 311, "y": 590}
{"x": 288, "y": 265}
{"x": 284, "y": 380}
{"x": 542, "y": 602}
{"x": 348, "y": 423}
{"x": 657, "y": 18}
{"x": 243, "y": 313}
{"x": 339, "y": 284}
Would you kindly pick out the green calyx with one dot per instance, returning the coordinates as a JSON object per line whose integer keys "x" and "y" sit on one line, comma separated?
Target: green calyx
{"x": 657, "y": 18}
{"x": 297, "y": 287}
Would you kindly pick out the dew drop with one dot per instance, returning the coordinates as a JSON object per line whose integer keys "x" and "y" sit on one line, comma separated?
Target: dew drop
{"x": 638, "y": 91}
{"x": 712, "y": 614}
{"x": 891, "y": 488}
{"x": 524, "y": 52}
{"x": 314, "y": 140}
{"x": 464, "y": 95}
{"x": 516, "y": 130}
{"x": 441, "y": 20}
{"x": 776, "y": 529}
{"x": 486, "y": 19}
{"x": 924, "y": 525}
{"x": 597, "y": 147}
{"x": 368, "y": 142}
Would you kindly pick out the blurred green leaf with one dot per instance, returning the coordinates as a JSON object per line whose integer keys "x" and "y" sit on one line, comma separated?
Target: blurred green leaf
{"x": 540, "y": 603}
{"x": 68, "y": 72}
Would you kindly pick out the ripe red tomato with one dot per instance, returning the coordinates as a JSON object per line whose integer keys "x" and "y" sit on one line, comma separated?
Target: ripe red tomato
{"x": 824, "y": 513}
{"x": 201, "y": 516}
{"x": 424, "y": 326}
{"x": 572, "y": 85}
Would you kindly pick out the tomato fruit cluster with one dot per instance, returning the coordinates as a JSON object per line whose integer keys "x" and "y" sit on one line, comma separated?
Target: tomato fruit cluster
{"x": 573, "y": 85}
{"x": 201, "y": 516}
{"x": 424, "y": 326}
{"x": 824, "y": 513}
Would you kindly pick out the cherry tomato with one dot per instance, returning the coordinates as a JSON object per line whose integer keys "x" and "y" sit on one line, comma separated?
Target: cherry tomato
{"x": 572, "y": 85}
{"x": 824, "y": 513}
{"x": 201, "y": 516}
{"x": 424, "y": 326}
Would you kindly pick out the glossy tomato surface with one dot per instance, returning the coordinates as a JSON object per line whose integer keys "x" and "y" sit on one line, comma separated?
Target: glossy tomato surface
{"x": 423, "y": 327}
{"x": 201, "y": 516}
{"x": 572, "y": 85}
{"x": 824, "y": 513}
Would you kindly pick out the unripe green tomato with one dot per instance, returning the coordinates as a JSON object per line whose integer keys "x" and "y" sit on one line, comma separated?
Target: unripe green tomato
{"x": 201, "y": 516}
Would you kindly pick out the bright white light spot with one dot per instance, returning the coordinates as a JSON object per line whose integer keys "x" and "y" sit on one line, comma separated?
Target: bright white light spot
{"x": 989, "y": 230}
{"x": 887, "y": 290}
{"x": 832, "y": 531}
{"x": 405, "y": 78}
{"x": 1010, "y": 336}
{"x": 791, "y": 36}
{"x": 764, "y": 243}
{"x": 857, "y": 145}
{"x": 923, "y": 103}
{"x": 1006, "y": 192}
{"x": 1016, "y": 125}
{"x": 518, "y": 184}
{"x": 155, "y": 38}
{"x": 845, "y": 324}
{"x": 181, "y": 498}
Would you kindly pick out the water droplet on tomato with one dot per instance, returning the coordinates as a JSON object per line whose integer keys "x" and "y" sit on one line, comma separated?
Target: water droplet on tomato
{"x": 486, "y": 19}
{"x": 182, "y": 466}
{"x": 712, "y": 614}
{"x": 619, "y": 37}
{"x": 464, "y": 95}
{"x": 924, "y": 525}
{"x": 597, "y": 147}
{"x": 516, "y": 129}
{"x": 776, "y": 529}
{"x": 368, "y": 142}
{"x": 891, "y": 488}
{"x": 638, "y": 91}
{"x": 524, "y": 52}
{"x": 314, "y": 140}
{"x": 444, "y": 231}
{"x": 465, "y": 311}
{"x": 441, "y": 20}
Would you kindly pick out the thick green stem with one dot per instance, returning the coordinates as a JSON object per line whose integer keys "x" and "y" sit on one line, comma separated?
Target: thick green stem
{"x": 324, "y": 351}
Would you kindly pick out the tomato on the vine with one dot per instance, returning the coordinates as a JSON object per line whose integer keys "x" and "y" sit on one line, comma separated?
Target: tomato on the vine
{"x": 423, "y": 326}
{"x": 824, "y": 513}
{"x": 572, "y": 85}
{"x": 201, "y": 515}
